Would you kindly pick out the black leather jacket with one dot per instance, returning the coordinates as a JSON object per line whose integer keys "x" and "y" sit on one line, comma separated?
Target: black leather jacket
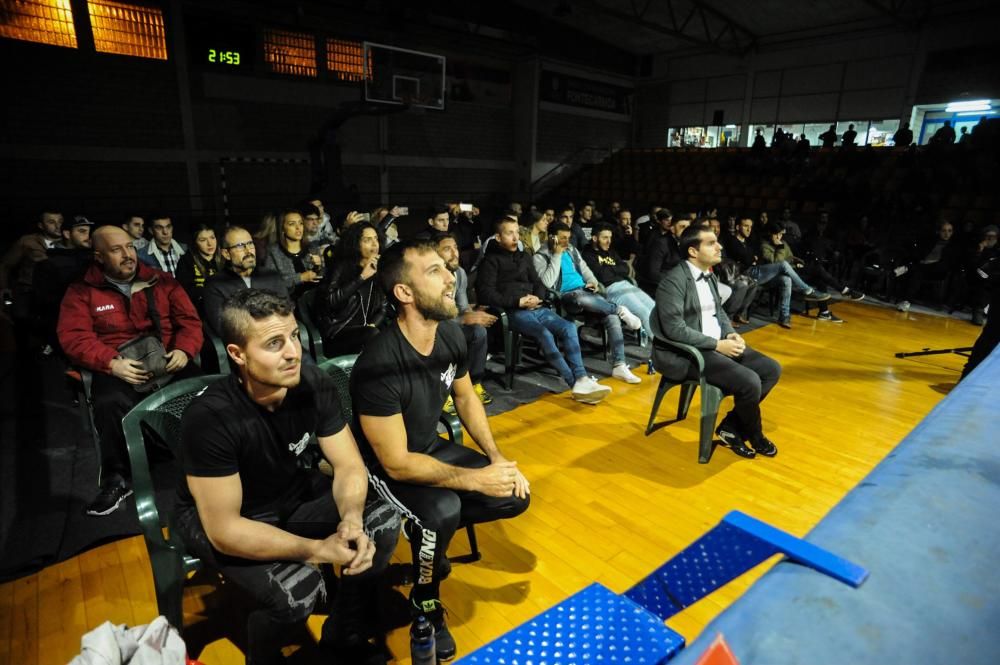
{"x": 347, "y": 301}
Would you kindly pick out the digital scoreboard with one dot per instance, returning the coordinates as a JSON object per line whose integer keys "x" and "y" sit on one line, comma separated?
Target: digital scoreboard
{"x": 219, "y": 44}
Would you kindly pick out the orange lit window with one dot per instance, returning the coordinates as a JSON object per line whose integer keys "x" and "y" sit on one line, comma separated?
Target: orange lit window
{"x": 128, "y": 29}
{"x": 290, "y": 52}
{"x": 42, "y": 21}
{"x": 345, "y": 60}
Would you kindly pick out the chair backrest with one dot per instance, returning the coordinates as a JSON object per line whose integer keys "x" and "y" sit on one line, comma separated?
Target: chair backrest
{"x": 304, "y": 313}
{"x": 161, "y": 413}
{"x": 339, "y": 369}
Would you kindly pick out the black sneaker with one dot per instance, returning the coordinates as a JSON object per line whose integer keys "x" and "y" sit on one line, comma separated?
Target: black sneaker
{"x": 109, "y": 498}
{"x": 734, "y": 441}
{"x": 444, "y": 643}
{"x": 829, "y": 316}
{"x": 764, "y": 446}
{"x": 816, "y": 296}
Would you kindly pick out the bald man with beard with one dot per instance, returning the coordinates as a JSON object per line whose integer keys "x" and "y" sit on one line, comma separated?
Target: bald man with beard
{"x": 109, "y": 307}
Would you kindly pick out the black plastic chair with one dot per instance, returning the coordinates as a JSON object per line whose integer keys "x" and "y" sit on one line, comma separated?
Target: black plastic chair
{"x": 711, "y": 396}
{"x": 161, "y": 414}
{"x": 304, "y": 313}
{"x": 339, "y": 369}
{"x": 213, "y": 352}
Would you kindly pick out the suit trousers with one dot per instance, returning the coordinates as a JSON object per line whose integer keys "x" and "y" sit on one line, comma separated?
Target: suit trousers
{"x": 748, "y": 378}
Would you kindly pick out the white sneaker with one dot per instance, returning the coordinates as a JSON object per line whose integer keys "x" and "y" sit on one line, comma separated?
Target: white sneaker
{"x": 589, "y": 391}
{"x": 901, "y": 270}
{"x": 903, "y": 306}
{"x": 632, "y": 322}
{"x": 623, "y": 373}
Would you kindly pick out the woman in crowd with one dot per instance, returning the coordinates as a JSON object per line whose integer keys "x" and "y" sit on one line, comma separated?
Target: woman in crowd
{"x": 265, "y": 237}
{"x": 536, "y": 236}
{"x": 351, "y": 306}
{"x": 201, "y": 262}
{"x": 290, "y": 257}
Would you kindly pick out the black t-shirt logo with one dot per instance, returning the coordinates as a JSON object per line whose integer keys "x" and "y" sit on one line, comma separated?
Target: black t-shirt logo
{"x": 448, "y": 375}
{"x": 297, "y": 448}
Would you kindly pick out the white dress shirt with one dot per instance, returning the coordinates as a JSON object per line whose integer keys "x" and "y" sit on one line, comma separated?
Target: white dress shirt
{"x": 709, "y": 320}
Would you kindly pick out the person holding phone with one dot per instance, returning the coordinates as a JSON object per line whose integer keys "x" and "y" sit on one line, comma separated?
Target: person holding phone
{"x": 299, "y": 269}
{"x": 351, "y": 307}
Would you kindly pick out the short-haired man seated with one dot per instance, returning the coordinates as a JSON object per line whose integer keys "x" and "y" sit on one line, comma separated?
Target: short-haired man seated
{"x": 507, "y": 280}
{"x": 611, "y": 270}
{"x": 689, "y": 310}
{"x": 248, "y": 507}
{"x": 240, "y": 255}
{"x": 562, "y": 269}
{"x": 99, "y": 315}
{"x": 399, "y": 384}
{"x": 474, "y": 322}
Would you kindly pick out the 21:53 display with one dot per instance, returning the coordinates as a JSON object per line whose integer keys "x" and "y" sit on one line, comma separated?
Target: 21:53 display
{"x": 224, "y": 57}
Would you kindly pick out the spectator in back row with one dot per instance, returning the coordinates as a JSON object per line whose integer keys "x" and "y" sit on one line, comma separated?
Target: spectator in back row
{"x": 535, "y": 237}
{"x": 163, "y": 253}
{"x": 658, "y": 253}
{"x": 776, "y": 250}
{"x": 290, "y": 258}
{"x": 135, "y": 226}
{"x": 118, "y": 301}
{"x": 562, "y": 269}
{"x": 199, "y": 264}
{"x": 625, "y": 236}
{"x": 65, "y": 263}
{"x": 22, "y": 257}
{"x": 350, "y": 306}
{"x": 239, "y": 272}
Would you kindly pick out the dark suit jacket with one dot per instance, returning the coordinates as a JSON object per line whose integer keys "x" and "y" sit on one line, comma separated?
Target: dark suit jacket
{"x": 677, "y": 317}
{"x": 224, "y": 284}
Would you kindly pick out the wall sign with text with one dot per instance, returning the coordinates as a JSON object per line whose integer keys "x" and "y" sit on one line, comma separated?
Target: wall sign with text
{"x": 561, "y": 88}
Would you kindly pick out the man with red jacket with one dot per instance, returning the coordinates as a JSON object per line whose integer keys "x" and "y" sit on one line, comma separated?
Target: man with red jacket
{"x": 107, "y": 308}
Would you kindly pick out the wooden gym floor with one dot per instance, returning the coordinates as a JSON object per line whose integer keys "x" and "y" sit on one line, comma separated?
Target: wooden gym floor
{"x": 608, "y": 504}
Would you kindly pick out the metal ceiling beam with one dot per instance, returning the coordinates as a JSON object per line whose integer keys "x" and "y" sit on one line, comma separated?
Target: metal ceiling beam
{"x": 906, "y": 14}
{"x": 702, "y": 25}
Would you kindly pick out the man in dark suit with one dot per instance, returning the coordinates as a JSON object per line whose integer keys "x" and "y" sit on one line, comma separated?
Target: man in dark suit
{"x": 240, "y": 273}
{"x": 689, "y": 310}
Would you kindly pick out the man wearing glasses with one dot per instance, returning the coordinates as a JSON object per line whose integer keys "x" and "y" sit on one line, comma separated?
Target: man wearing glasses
{"x": 241, "y": 273}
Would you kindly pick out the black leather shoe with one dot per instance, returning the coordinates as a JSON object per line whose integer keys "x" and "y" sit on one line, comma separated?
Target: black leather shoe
{"x": 764, "y": 446}
{"x": 734, "y": 442}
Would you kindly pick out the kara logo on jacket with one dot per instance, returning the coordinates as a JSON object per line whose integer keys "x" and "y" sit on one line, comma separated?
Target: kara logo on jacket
{"x": 104, "y": 308}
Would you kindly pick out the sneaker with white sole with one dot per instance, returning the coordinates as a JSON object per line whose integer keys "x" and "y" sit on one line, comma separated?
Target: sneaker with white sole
{"x": 109, "y": 498}
{"x": 623, "y": 373}
{"x": 589, "y": 391}
{"x": 829, "y": 316}
{"x": 631, "y": 321}
{"x": 903, "y": 306}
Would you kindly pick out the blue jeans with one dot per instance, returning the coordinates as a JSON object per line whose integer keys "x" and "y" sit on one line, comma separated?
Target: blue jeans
{"x": 787, "y": 278}
{"x": 544, "y": 326}
{"x": 582, "y": 299}
{"x": 634, "y": 299}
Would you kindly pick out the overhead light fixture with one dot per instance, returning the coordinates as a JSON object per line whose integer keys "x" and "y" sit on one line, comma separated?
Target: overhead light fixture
{"x": 961, "y": 113}
{"x": 976, "y": 105}
{"x": 730, "y": 126}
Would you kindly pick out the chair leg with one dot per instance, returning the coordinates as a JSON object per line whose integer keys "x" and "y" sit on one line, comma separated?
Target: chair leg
{"x": 474, "y": 555}
{"x": 508, "y": 358}
{"x": 711, "y": 397}
{"x": 661, "y": 390}
{"x": 168, "y": 578}
{"x": 687, "y": 394}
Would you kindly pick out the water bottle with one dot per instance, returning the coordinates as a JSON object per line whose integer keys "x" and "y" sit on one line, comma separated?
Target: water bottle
{"x": 422, "y": 649}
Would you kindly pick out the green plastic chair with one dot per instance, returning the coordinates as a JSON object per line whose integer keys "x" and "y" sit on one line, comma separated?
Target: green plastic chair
{"x": 304, "y": 313}
{"x": 213, "y": 352}
{"x": 161, "y": 413}
{"x": 711, "y": 396}
{"x": 339, "y": 369}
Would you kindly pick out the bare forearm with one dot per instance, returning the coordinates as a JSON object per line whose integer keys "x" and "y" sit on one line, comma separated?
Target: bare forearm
{"x": 473, "y": 416}
{"x": 420, "y": 469}
{"x": 258, "y": 541}
{"x": 350, "y": 488}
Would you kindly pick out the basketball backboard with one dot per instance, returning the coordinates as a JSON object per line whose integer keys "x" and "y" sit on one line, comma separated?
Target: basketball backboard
{"x": 396, "y": 75}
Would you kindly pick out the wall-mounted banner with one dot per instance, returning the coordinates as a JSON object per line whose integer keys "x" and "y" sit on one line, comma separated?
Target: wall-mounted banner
{"x": 561, "y": 88}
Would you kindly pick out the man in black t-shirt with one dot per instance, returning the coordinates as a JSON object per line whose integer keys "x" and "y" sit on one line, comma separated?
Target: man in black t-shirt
{"x": 399, "y": 385}
{"x": 249, "y": 508}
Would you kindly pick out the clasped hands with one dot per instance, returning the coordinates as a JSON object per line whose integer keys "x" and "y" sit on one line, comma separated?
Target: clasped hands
{"x": 349, "y": 546}
{"x": 732, "y": 346}
{"x": 502, "y": 478}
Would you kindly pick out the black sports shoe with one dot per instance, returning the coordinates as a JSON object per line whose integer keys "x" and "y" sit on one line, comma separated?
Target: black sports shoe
{"x": 764, "y": 446}
{"x": 113, "y": 492}
{"x": 444, "y": 643}
{"x": 734, "y": 441}
{"x": 812, "y": 295}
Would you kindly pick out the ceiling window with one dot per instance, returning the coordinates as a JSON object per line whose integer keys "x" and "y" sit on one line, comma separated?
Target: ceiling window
{"x": 291, "y": 53}
{"x": 126, "y": 29}
{"x": 40, "y": 21}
